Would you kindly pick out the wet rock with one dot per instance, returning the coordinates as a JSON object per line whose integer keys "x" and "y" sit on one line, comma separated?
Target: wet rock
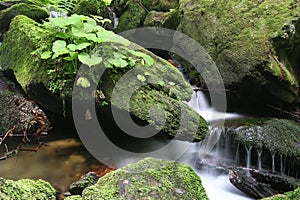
{"x": 149, "y": 178}
{"x": 277, "y": 135}
{"x": 255, "y": 47}
{"x": 260, "y": 184}
{"x": 26, "y": 189}
{"x": 86, "y": 180}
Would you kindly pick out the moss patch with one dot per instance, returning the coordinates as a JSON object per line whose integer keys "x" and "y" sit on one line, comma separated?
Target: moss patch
{"x": 26, "y": 189}
{"x": 277, "y": 135}
{"x": 240, "y": 36}
{"x": 148, "y": 179}
{"x": 32, "y": 11}
{"x": 21, "y": 50}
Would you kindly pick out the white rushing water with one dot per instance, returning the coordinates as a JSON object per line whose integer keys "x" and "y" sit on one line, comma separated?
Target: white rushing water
{"x": 201, "y": 105}
{"x": 216, "y": 184}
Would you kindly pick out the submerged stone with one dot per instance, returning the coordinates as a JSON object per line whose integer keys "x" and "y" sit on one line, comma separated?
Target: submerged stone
{"x": 148, "y": 179}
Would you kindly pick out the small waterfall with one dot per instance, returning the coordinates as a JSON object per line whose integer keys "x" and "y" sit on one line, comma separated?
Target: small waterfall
{"x": 200, "y": 104}
{"x": 248, "y": 162}
{"x": 259, "y": 153}
{"x": 281, "y": 165}
{"x": 273, "y": 162}
{"x": 237, "y": 154}
{"x": 113, "y": 17}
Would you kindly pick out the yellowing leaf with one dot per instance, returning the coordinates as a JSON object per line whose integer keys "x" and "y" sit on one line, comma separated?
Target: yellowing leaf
{"x": 83, "y": 82}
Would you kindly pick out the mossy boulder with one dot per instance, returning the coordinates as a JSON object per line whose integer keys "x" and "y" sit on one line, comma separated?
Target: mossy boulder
{"x": 254, "y": 44}
{"x": 33, "y": 11}
{"x": 277, "y": 135}
{"x": 85, "y": 181}
{"x": 91, "y": 7}
{"x": 133, "y": 13}
{"x": 25, "y": 42}
{"x": 26, "y": 189}
{"x": 287, "y": 196}
{"x": 148, "y": 179}
{"x": 162, "y": 19}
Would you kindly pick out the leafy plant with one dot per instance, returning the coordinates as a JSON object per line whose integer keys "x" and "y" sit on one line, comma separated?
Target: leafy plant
{"x": 78, "y": 36}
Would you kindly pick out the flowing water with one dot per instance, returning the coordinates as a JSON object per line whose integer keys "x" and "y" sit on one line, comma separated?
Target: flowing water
{"x": 203, "y": 156}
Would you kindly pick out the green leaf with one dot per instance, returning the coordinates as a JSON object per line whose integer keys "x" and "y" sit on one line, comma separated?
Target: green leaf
{"x": 141, "y": 78}
{"x": 90, "y": 26}
{"x": 147, "y": 73}
{"x": 59, "y": 48}
{"x": 117, "y": 62}
{"x": 172, "y": 84}
{"x": 81, "y": 46}
{"x": 148, "y": 60}
{"x": 62, "y": 35}
{"x": 78, "y": 32}
{"x": 72, "y": 47}
{"x": 83, "y": 82}
{"x": 109, "y": 36}
{"x": 90, "y": 60}
{"x": 91, "y": 37}
{"x": 46, "y": 55}
{"x": 161, "y": 83}
{"x": 73, "y": 56}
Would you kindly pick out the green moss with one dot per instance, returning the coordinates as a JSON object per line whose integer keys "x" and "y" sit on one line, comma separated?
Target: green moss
{"x": 32, "y": 11}
{"x": 240, "y": 36}
{"x": 277, "y": 135}
{"x": 162, "y": 19}
{"x": 91, "y": 7}
{"x": 74, "y": 197}
{"x": 26, "y": 189}
{"x": 133, "y": 17}
{"x": 21, "y": 50}
{"x": 287, "y": 196}
{"x": 148, "y": 179}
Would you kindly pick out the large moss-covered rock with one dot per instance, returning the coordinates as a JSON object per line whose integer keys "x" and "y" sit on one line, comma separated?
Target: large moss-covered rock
{"x": 91, "y": 7}
{"x": 148, "y": 179}
{"x": 277, "y": 135}
{"x": 25, "y": 189}
{"x": 132, "y": 13}
{"x": 33, "y": 11}
{"x": 162, "y": 19}
{"x": 254, "y": 44}
{"x": 26, "y": 40}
